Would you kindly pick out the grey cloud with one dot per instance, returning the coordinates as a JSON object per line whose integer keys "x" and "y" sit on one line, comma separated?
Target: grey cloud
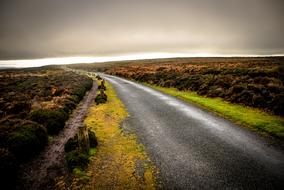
{"x": 40, "y": 28}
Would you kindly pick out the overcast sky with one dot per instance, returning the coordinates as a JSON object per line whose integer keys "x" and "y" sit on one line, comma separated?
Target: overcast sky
{"x": 58, "y": 28}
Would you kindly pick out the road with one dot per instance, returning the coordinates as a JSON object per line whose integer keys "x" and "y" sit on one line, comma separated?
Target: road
{"x": 195, "y": 149}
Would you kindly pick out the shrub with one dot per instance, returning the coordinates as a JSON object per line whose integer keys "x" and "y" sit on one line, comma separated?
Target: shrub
{"x": 245, "y": 97}
{"x": 239, "y": 71}
{"x": 76, "y": 159}
{"x": 88, "y": 83}
{"x": 98, "y": 77}
{"x": 169, "y": 83}
{"x": 275, "y": 88}
{"x": 256, "y": 87}
{"x": 80, "y": 92}
{"x": 53, "y": 120}
{"x": 214, "y": 91}
{"x": 278, "y": 104}
{"x": 262, "y": 80}
{"x": 102, "y": 86}
{"x": 92, "y": 139}
{"x": 101, "y": 98}
{"x": 27, "y": 139}
{"x": 237, "y": 89}
{"x": 212, "y": 71}
{"x": 8, "y": 168}
{"x": 195, "y": 82}
{"x": 6, "y": 127}
{"x": 74, "y": 99}
{"x": 18, "y": 107}
{"x": 258, "y": 101}
{"x": 68, "y": 105}
{"x": 46, "y": 92}
{"x": 72, "y": 144}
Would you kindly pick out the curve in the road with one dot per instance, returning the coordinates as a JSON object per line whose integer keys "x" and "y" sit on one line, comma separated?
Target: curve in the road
{"x": 195, "y": 149}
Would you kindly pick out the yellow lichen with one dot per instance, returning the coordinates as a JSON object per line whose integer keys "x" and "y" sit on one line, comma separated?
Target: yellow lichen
{"x": 120, "y": 161}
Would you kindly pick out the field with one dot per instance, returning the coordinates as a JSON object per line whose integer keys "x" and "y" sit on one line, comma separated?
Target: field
{"x": 253, "y": 82}
{"x": 34, "y": 104}
{"x": 222, "y": 85}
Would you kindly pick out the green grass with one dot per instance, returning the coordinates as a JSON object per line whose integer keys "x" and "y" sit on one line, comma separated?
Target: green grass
{"x": 255, "y": 119}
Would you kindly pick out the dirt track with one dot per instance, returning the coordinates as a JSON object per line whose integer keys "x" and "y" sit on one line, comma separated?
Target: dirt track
{"x": 41, "y": 172}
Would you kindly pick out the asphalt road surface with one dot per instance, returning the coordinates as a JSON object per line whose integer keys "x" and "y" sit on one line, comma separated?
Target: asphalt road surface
{"x": 195, "y": 149}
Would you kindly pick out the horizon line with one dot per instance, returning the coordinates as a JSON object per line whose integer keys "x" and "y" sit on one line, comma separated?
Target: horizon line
{"x": 38, "y": 62}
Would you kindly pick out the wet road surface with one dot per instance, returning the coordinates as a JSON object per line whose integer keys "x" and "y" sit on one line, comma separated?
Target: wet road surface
{"x": 195, "y": 149}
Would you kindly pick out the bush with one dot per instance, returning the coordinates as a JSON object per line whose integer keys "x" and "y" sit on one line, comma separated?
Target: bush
{"x": 258, "y": 101}
{"x": 237, "y": 89}
{"x": 72, "y": 144}
{"x": 8, "y": 168}
{"x": 169, "y": 83}
{"x": 278, "y": 104}
{"x": 53, "y": 120}
{"x": 6, "y": 127}
{"x": 76, "y": 159}
{"x": 22, "y": 138}
{"x": 98, "y": 77}
{"x": 92, "y": 139}
{"x": 74, "y": 99}
{"x": 88, "y": 84}
{"x": 80, "y": 92}
{"x": 194, "y": 82}
{"x": 27, "y": 139}
{"x": 68, "y": 105}
{"x": 275, "y": 88}
{"x": 101, "y": 98}
{"x": 18, "y": 107}
{"x": 256, "y": 87}
{"x": 214, "y": 91}
{"x": 102, "y": 85}
{"x": 262, "y": 80}
{"x": 245, "y": 98}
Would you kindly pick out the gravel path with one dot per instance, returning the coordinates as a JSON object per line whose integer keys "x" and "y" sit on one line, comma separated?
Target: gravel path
{"x": 40, "y": 172}
{"x": 195, "y": 149}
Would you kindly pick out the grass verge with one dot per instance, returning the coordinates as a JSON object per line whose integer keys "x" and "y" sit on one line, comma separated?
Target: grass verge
{"x": 255, "y": 119}
{"x": 120, "y": 161}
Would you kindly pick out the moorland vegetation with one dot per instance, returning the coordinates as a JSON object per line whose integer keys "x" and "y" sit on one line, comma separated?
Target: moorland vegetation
{"x": 253, "y": 82}
{"x": 34, "y": 103}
